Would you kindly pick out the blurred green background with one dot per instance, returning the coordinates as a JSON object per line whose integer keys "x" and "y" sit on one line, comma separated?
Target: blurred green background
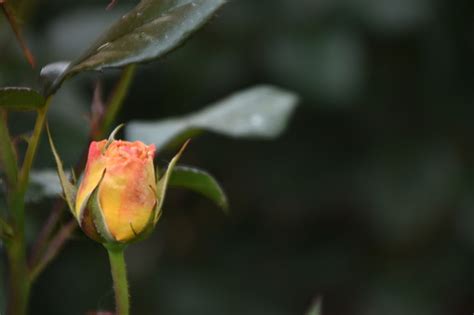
{"x": 366, "y": 200}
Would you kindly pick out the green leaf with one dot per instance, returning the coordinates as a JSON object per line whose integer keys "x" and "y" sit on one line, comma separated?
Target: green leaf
{"x": 149, "y": 31}
{"x": 21, "y": 98}
{"x": 69, "y": 189}
{"x": 200, "y": 182}
{"x": 52, "y": 74}
{"x": 259, "y": 112}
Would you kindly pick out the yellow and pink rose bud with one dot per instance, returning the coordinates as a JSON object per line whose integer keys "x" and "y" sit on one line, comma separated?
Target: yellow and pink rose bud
{"x": 117, "y": 198}
{"x": 120, "y": 197}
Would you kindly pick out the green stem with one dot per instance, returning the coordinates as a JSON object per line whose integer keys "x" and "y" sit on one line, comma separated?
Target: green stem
{"x": 119, "y": 275}
{"x": 6, "y": 231}
{"x": 7, "y": 152}
{"x": 32, "y": 148}
{"x": 20, "y": 282}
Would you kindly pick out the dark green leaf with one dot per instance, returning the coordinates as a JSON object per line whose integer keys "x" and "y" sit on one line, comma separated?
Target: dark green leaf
{"x": 200, "y": 182}
{"x": 52, "y": 74}
{"x": 21, "y": 98}
{"x": 259, "y": 112}
{"x": 151, "y": 30}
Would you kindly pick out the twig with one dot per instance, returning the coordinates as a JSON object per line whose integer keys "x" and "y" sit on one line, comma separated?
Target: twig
{"x": 16, "y": 29}
{"x": 54, "y": 247}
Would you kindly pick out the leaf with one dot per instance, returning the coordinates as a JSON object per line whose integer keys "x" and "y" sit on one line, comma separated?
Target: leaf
{"x": 51, "y": 74}
{"x": 200, "y": 182}
{"x": 21, "y": 98}
{"x": 259, "y": 112}
{"x": 69, "y": 189}
{"x": 44, "y": 184}
{"x": 149, "y": 31}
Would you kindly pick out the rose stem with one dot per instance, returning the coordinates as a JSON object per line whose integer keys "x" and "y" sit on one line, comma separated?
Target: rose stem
{"x": 119, "y": 275}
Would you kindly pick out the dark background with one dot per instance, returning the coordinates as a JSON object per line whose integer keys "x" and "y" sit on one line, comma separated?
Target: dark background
{"x": 366, "y": 200}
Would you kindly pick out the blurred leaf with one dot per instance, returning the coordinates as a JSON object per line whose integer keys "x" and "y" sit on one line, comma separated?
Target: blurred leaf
{"x": 152, "y": 29}
{"x": 200, "y": 182}
{"x": 259, "y": 112}
{"x": 43, "y": 184}
{"x": 21, "y": 98}
{"x": 316, "y": 308}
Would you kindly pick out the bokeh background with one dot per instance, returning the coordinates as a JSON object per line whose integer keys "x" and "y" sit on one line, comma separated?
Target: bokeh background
{"x": 366, "y": 200}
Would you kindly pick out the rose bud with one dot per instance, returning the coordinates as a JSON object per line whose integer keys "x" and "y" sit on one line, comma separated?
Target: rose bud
{"x": 119, "y": 199}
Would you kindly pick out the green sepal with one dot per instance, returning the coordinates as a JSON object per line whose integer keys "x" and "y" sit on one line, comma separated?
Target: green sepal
{"x": 112, "y": 137}
{"x": 162, "y": 183}
{"x": 149, "y": 227}
{"x": 93, "y": 205}
{"x": 69, "y": 189}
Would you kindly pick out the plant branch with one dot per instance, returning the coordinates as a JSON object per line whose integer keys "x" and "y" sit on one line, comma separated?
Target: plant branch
{"x": 6, "y": 231}
{"x": 20, "y": 284}
{"x": 16, "y": 29}
{"x": 32, "y": 147}
{"x": 7, "y": 152}
{"x": 55, "y": 245}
